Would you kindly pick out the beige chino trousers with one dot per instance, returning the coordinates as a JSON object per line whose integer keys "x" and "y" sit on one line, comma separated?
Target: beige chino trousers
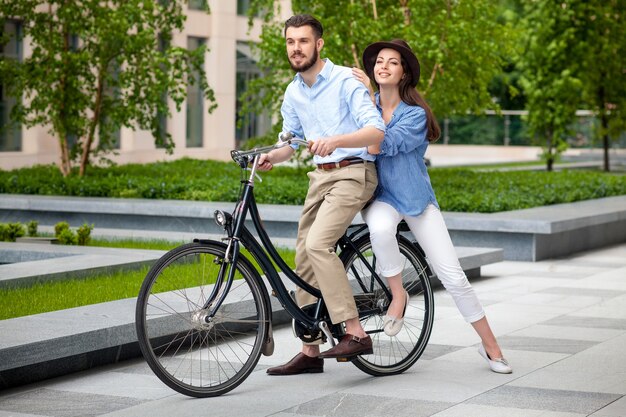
{"x": 334, "y": 198}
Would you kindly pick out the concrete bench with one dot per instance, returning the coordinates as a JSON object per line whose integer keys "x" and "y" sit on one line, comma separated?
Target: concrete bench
{"x": 544, "y": 232}
{"x": 23, "y": 264}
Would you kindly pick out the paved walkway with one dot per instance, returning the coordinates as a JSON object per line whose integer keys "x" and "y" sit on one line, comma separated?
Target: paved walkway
{"x": 561, "y": 323}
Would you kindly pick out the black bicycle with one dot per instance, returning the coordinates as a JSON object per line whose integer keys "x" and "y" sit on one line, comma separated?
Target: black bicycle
{"x": 204, "y": 315}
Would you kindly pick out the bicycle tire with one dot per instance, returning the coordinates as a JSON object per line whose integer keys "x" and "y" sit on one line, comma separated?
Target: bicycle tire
{"x": 192, "y": 356}
{"x": 392, "y": 354}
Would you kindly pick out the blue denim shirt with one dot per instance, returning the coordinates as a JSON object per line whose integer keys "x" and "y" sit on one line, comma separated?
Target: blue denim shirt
{"x": 335, "y": 104}
{"x": 403, "y": 180}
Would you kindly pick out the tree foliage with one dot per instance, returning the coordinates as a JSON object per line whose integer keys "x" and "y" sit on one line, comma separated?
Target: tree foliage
{"x": 460, "y": 45}
{"x": 550, "y": 64}
{"x": 97, "y": 66}
{"x": 603, "y": 66}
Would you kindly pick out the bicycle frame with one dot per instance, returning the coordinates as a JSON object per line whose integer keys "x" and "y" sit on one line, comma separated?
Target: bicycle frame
{"x": 265, "y": 252}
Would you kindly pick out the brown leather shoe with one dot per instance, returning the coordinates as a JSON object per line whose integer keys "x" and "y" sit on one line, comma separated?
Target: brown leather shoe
{"x": 299, "y": 364}
{"x": 349, "y": 347}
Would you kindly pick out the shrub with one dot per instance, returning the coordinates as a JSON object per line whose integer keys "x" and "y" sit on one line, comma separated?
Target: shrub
{"x": 190, "y": 179}
{"x": 32, "y": 228}
{"x": 84, "y": 234}
{"x": 67, "y": 237}
{"x": 12, "y": 231}
{"x": 60, "y": 227}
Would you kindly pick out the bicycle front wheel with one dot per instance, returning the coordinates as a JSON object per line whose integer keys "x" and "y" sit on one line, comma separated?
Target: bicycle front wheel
{"x": 392, "y": 354}
{"x": 193, "y": 346}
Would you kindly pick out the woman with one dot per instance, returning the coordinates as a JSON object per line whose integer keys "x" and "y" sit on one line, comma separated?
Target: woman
{"x": 404, "y": 192}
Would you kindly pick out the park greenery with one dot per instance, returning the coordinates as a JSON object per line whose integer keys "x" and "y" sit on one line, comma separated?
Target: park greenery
{"x": 457, "y": 189}
{"x": 550, "y": 58}
{"x": 9, "y": 232}
{"x": 461, "y": 46}
{"x": 97, "y": 287}
{"x": 573, "y": 56}
{"x": 96, "y": 67}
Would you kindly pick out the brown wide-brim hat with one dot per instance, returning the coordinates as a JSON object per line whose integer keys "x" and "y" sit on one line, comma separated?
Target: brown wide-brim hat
{"x": 371, "y": 53}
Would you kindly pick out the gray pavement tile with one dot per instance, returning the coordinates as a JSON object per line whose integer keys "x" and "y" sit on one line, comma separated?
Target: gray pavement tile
{"x": 477, "y": 410}
{"x": 600, "y": 368}
{"x": 64, "y": 404}
{"x": 587, "y": 292}
{"x": 615, "y": 409}
{"x": 116, "y": 384}
{"x": 566, "y": 332}
{"x": 285, "y": 415}
{"x": 434, "y": 351}
{"x": 556, "y": 274}
{"x": 140, "y": 368}
{"x": 614, "y": 308}
{"x": 545, "y": 399}
{"x": 347, "y": 405}
{"x": 590, "y": 322}
{"x": 14, "y": 414}
{"x": 541, "y": 344}
{"x": 595, "y": 264}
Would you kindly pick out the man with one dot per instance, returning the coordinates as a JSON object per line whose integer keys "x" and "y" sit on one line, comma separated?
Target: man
{"x": 331, "y": 109}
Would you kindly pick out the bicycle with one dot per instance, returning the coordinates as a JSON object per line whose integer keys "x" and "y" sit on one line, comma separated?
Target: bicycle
{"x": 204, "y": 316}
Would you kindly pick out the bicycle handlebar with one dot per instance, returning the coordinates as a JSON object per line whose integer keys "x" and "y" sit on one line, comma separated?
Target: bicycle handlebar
{"x": 286, "y": 139}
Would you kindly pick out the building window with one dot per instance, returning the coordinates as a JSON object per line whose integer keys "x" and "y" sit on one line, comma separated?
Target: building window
{"x": 10, "y": 133}
{"x": 197, "y": 4}
{"x": 248, "y": 125}
{"x": 195, "y": 102}
{"x": 242, "y": 7}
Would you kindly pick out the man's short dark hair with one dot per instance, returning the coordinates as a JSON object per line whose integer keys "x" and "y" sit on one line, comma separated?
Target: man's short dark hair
{"x": 300, "y": 20}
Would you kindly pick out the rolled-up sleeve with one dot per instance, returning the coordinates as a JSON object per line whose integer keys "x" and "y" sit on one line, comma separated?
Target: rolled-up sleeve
{"x": 291, "y": 121}
{"x": 407, "y": 134}
{"x": 361, "y": 105}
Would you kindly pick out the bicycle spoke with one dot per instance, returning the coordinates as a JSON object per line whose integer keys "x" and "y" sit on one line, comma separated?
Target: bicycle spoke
{"x": 192, "y": 343}
{"x": 392, "y": 354}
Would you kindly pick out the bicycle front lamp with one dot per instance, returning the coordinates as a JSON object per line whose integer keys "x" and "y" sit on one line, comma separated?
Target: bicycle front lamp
{"x": 222, "y": 219}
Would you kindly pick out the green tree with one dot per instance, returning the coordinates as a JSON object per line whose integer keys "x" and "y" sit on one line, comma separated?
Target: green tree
{"x": 550, "y": 63}
{"x": 461, "y": 46}
{"x": 96, "y": 66}
{"x": 603, "y": 66}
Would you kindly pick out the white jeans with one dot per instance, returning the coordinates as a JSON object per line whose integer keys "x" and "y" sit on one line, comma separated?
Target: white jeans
{"x": 431, "y": 233}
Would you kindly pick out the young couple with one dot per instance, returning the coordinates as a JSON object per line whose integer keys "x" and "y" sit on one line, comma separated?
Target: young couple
{"x": 348, "y": 129}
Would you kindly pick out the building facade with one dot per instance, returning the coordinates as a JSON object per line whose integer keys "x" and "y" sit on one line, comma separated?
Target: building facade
{"x": 229, "y": 65}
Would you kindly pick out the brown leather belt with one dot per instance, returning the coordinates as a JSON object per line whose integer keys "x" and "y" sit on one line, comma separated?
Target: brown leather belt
{"x": 341, "y": 164}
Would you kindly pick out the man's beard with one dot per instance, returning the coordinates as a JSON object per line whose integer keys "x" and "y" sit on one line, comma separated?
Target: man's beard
{"x": 306, "y": 64}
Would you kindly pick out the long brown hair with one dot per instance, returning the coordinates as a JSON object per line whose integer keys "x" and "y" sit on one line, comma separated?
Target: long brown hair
{"x": 411, "y": 96}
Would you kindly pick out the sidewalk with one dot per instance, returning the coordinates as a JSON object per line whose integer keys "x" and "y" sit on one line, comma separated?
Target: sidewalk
{"x": 561, "y": 324}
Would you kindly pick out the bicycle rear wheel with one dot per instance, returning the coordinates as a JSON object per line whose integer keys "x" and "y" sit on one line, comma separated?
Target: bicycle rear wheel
{"x": 191, "y": 350}
{"x": 392, "y": 354}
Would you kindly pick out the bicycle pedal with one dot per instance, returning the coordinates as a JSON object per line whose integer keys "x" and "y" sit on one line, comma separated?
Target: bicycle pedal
{"x": 344, "y": 359}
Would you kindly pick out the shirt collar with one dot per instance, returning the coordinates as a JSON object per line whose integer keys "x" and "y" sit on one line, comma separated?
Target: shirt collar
{"x": 324, "y": 73}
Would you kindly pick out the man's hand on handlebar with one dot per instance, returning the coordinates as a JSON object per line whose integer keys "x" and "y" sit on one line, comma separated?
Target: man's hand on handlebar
{"x": 322, "y": 147}
{"x": 264, "y": 162}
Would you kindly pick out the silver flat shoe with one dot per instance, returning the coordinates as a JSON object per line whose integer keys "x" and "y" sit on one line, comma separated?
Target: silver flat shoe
{"x": 500, "y": 365}
{"x": 392, "y": 325}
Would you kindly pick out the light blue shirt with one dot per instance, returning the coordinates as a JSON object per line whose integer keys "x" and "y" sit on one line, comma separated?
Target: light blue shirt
{"x": 403, "y": 180}
{"x": 335, "y": 104}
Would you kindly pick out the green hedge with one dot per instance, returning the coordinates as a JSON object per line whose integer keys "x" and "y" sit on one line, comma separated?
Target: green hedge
{"x": 189, "y": 179}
